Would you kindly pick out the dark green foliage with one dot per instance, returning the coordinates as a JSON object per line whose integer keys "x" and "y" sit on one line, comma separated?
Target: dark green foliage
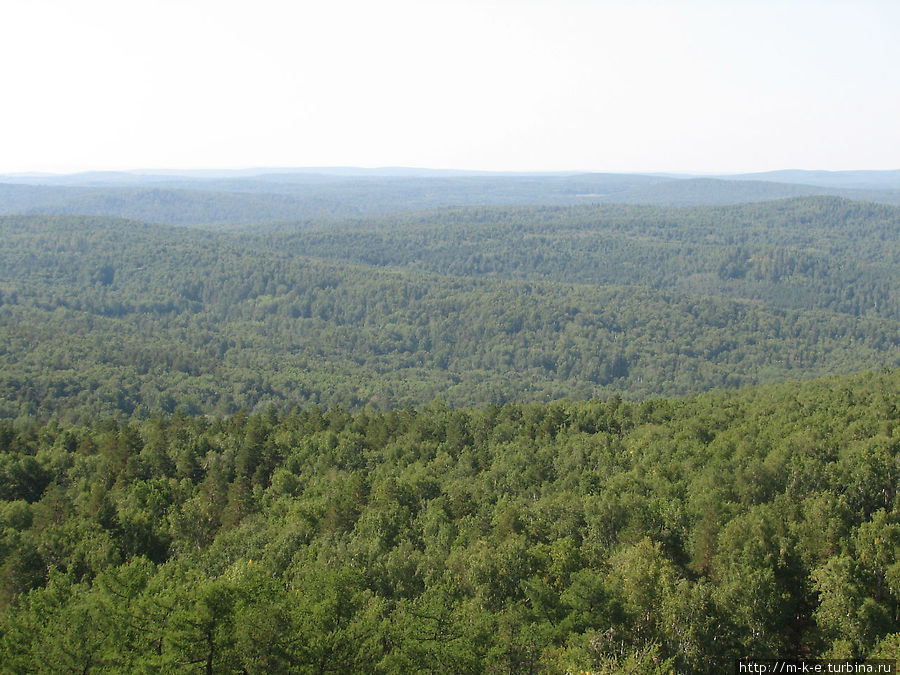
{"x": 245, "y": 453}
{"x": 669, "y": 535}
{"x": 476, "y": 306}
{"x": 814, "y": 253}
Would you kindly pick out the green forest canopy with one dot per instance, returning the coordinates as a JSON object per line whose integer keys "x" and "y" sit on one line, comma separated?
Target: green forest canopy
{"x": 113, "y": 317}
{"x": 222, "y": 452}
{"x": 673, "y": 534}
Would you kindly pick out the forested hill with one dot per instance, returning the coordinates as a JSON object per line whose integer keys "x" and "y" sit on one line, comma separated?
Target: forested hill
{"x": 666, "y": 536}
{"x": 116, "y": 318}
{"x": 437, "y": 440}
{"x": 164, "y": 205}
{"x": 805, "y": 253}
{"x": 245, "y": 200}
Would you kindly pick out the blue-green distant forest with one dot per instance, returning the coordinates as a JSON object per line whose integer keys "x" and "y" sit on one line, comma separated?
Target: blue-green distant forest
{"x": 400, "y": 422}
{"x": 241, "y": 197}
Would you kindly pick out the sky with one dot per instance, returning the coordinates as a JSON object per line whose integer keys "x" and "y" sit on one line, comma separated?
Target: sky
{"x": 717, "y": 86}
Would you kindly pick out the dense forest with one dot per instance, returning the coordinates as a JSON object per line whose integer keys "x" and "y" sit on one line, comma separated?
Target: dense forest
{"x": 810, "y": 253}
{"x": 118, "y": 318}
{"x": 672, "y": 535}
{"x": 490, "y": 437}
{"x": 261, "y": 197}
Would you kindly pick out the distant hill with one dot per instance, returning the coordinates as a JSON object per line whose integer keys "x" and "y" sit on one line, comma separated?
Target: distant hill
{"x": 859, "y": 180}
{"x": 244, "y": 198}
{"x": 161, "y": 205}
{"x": 472, "y": 305}
{"x": 714, "y": 191}
{"x": 801, "y": 253}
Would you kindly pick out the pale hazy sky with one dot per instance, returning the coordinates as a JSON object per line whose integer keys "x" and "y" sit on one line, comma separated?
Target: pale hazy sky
{"x": 682, "y": 85}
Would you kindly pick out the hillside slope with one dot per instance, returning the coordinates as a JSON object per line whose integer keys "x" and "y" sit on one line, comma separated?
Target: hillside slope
{"x": 120, "y": 318}
{"x": 677, "y": 534}
{"x": 265, "y": 199}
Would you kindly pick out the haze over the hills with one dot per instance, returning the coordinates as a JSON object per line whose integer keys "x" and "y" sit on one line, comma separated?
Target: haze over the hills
{"x": 557, "y": 337}
{"x": 212, "y": 197}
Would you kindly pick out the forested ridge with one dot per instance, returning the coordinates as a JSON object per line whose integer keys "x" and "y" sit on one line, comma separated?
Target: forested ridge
{"x": 810, "y": 253}
{"x": 668, "y": 535}
{"x": 243, "y": 200}
{"x": 453, "y": 440}
{"x": 117, "y": 318}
